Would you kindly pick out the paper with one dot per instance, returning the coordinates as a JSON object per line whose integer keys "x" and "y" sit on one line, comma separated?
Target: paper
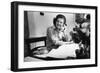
{"x": 63, "y": 51}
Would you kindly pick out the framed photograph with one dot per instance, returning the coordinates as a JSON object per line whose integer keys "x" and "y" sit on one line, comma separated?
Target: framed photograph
{"x": 52, "y": 36}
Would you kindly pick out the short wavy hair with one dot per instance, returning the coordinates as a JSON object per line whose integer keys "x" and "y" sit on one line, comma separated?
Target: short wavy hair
{"x": 59, "y": 16}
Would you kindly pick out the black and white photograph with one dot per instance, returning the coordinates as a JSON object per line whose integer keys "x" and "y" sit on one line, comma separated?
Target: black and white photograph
{"x": 53, "y": 36}
{"x": 56, "y": 36}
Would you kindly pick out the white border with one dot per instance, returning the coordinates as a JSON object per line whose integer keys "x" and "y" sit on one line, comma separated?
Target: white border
{"x": 22, "y": 64}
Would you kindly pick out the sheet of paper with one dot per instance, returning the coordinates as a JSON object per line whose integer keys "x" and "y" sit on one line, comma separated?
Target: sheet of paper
{"x": 64, "y": 51}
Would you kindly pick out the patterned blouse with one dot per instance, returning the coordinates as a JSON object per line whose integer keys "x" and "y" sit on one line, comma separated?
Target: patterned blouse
{"x": 54, "y": 37}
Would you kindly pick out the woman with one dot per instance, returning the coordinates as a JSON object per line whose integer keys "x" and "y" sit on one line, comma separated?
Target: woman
{"x": 57, "y": 35}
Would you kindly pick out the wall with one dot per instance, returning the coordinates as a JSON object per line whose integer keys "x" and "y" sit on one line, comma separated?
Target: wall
{"x": 5, "y": 37}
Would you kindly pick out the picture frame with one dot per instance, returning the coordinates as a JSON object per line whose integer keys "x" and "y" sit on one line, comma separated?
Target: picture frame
{"x": 20, "y": 14}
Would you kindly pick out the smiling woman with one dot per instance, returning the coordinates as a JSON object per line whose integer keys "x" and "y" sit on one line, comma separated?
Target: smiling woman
{"x": 57, "y": 34}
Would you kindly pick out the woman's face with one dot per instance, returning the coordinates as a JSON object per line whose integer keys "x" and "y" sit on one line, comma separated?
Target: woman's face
{"x": 60, "y": 24}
